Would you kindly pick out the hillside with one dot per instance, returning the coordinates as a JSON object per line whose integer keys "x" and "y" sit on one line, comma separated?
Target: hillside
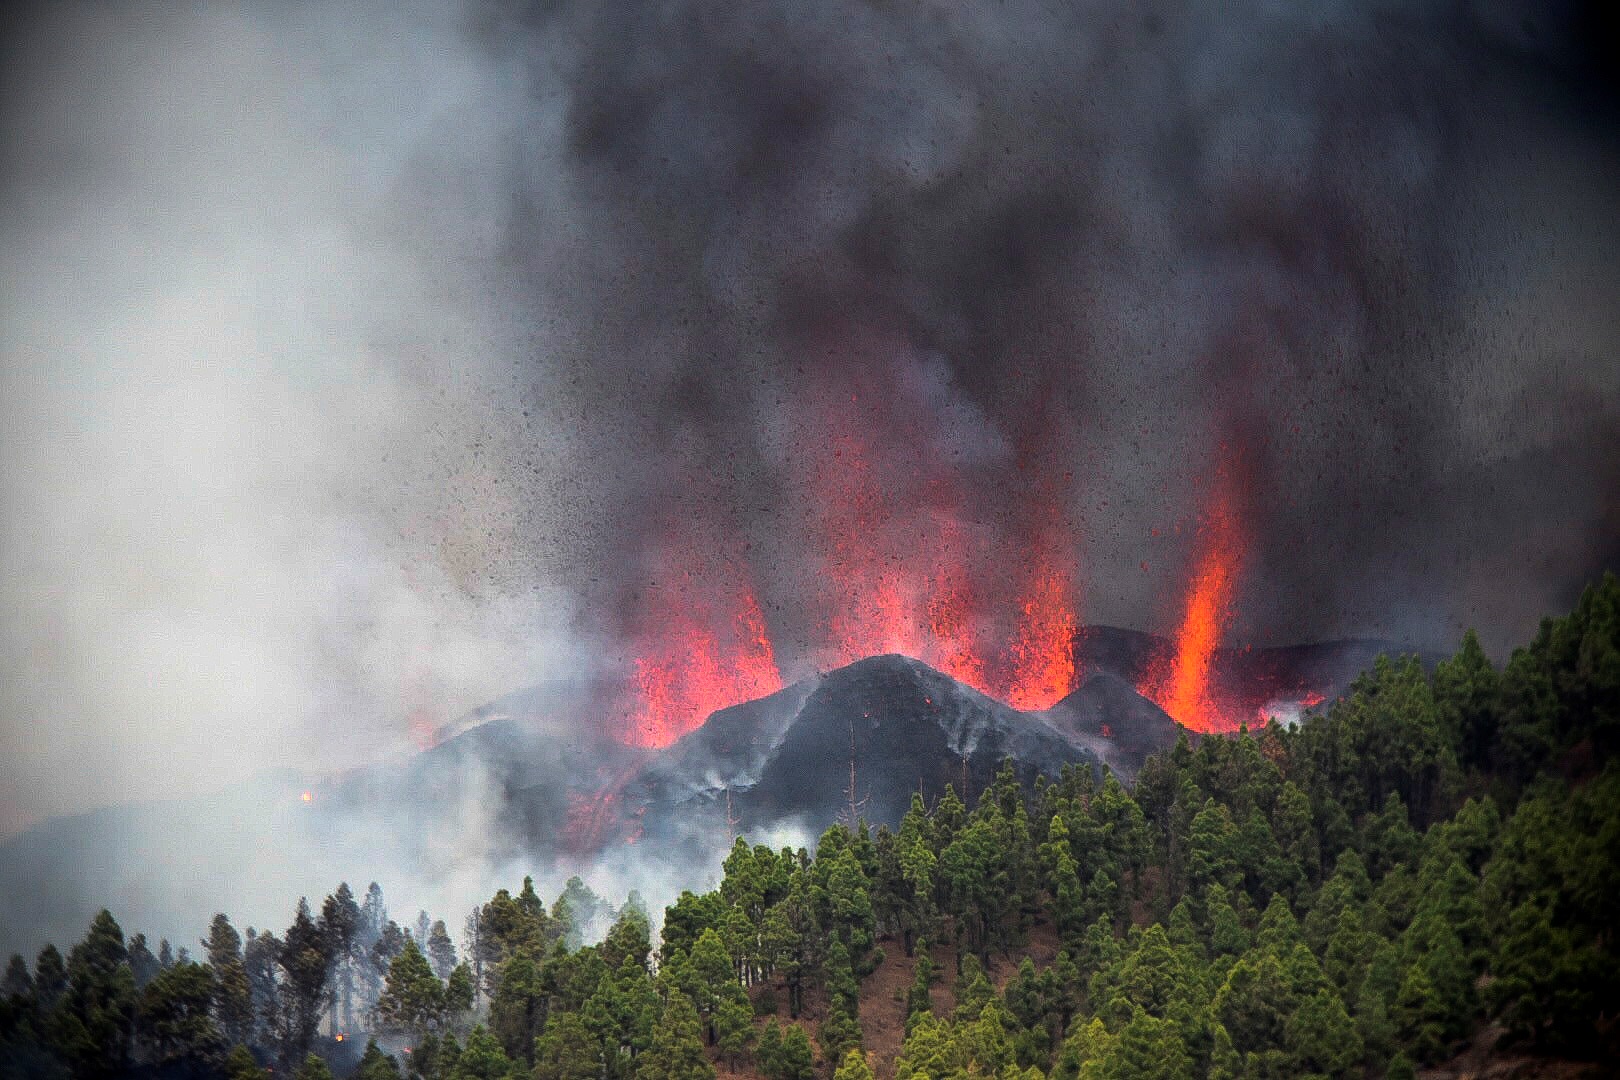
{"x": 1425, "y": 878}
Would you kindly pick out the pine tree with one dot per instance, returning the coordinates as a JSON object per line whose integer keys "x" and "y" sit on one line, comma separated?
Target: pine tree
{"x": 260, "y": 959}
{"x": 313, "y": 1068}
{"x": 1322, "y": 1039}
{"x": 93, "y": 1025}
{"x": 676, "y": 1052}
{"x": 839, "y": 1032}
{"x": 142, "y": 964}
{"x": 305, "y": 959}
{"x": 710, "y": 978}
{"x": 458, "y": 994}
{"x": 412, "y": 1001}
{"x": 919, "y": 1001}
{"x": 734, "y": 1029}
{"x": 854, "y": 1067}
{"x": 1467, "y": 695}
{"x": 233, "y": 1001}
{"x": 340, "y": 921}
{"x": 769, "y": 1053}
{"x": 516, "y": 1012}
{"x": 18, "y": 983}
{"x": 797, "y": 1060}
{"x": 567, "y": 1051}
{"x": 1149, "y": 1049}
{"x": 482, "y": 1059}
{"x": 50, "y": 978}
{"x": 376, "y": 1065}
{"x": 175, "y": 1015}
{"x": 240, "y": 1065}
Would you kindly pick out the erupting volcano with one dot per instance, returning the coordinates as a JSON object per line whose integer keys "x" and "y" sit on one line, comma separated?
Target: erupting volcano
{"x": 714, "y": 656}
{"x": 889, "y": 579}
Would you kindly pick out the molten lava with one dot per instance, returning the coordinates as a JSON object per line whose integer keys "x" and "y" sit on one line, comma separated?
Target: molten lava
{"x": 950, "y": 633}
{"x": 1182, "y": 686}
{"x": 896, "y": 561}
{"x": 1041, "y": 669}
{"x": 905, "y": 585}
{"x": 711, "y": 653}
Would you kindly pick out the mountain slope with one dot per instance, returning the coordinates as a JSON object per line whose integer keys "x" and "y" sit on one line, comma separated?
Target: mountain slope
{"x": 522, "y": 781}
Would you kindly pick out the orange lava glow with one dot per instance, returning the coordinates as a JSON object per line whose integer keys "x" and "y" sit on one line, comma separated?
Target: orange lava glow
{"x": 710, "y": 653}
{"x": 906, "y": 586}
{"x": 896, "y": 560}
{"x": 1041, "y": 670}
{"x": 953, "y": 651}
{"x": 1182, "y": 688}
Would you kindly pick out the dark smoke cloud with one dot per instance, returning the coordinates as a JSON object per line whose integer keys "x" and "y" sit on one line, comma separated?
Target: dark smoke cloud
{"x": 1362, "y": 255}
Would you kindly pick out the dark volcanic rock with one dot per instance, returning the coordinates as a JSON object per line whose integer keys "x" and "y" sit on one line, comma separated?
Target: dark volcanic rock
{"x": 728, "y": 752}
{"x": 1107, "y": 715}
{"x": 905, "y": 726}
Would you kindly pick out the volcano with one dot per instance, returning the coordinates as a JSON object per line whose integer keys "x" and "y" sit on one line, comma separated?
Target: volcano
{"x": 857, "y": 741}
{"x": 539, "y": 778}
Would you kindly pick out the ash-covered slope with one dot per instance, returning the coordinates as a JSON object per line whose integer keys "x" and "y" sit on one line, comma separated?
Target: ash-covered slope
{"x": 906, "y": 727}
{"x": 786, "y": 760}
{"x": 534, "y": 780}
{"x": 729, "y": 752}
{"x": 1108, "y": 716}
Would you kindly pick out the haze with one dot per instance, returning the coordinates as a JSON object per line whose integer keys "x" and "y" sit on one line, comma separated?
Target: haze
{"x": 355, "y": 361}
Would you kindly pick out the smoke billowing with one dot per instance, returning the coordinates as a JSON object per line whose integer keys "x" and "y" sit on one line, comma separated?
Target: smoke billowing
{"x": 364, "y": 364}
{"x": 1058, "y": 267}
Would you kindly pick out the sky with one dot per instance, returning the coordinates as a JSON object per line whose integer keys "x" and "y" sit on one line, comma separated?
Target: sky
{"x": 360, "y": 365}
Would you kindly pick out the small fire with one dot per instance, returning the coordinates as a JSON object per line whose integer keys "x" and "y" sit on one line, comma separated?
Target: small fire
{"x": 308, "y": 796}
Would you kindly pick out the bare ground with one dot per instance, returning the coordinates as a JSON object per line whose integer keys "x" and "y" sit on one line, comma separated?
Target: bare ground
{"x": 883, "y": 997}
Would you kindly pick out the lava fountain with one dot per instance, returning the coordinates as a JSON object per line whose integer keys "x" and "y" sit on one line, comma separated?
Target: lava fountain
{"x": 710, "y": 649}
{"x": 1181, "y": 686}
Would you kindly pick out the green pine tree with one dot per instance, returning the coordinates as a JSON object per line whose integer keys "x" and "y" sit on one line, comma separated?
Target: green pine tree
{"x": 676, "y": 1052}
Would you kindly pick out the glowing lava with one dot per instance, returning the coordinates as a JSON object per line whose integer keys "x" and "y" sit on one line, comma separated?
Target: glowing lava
{"x": 893, "y": 585}
{"x": 1042, "y": 668}
{"x": 950, "y": 631}
{"x": 896, "y": 561}
{"x": 1183, "y": 690}
{"x": 711, "y": 653}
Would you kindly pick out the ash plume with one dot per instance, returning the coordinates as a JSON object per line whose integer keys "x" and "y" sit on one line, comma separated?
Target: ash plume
{"x": 1076, "y": 260}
